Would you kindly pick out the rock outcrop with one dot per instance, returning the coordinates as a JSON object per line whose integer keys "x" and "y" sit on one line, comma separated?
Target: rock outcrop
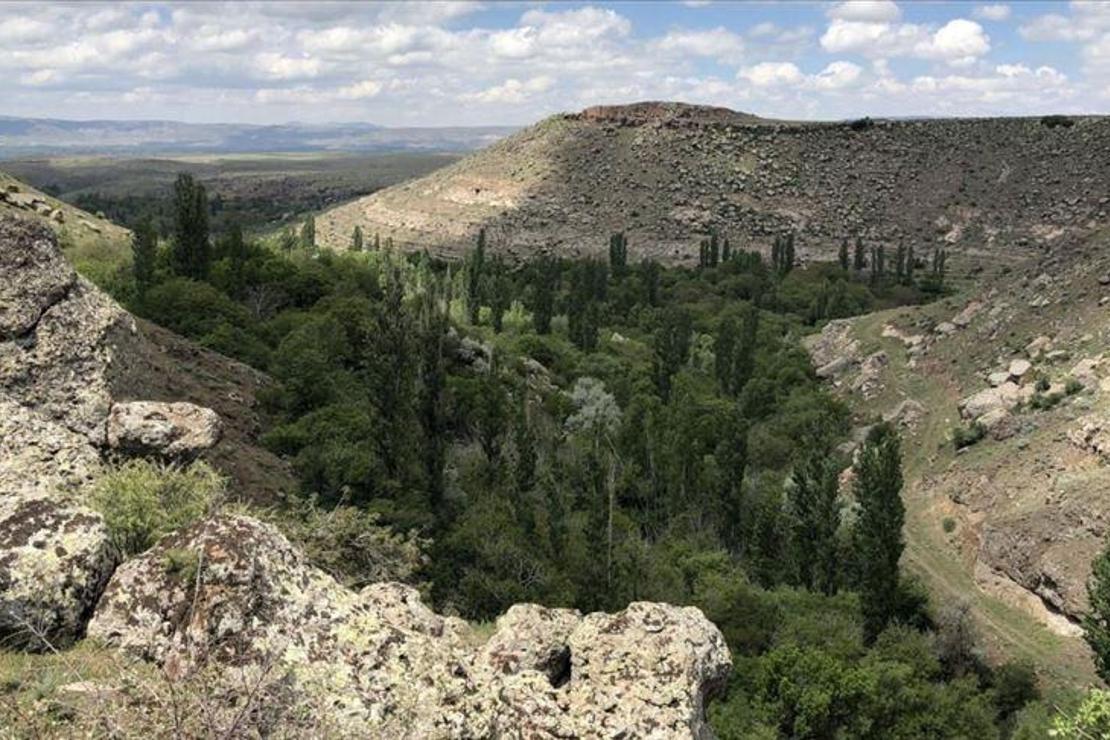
{"x": 233, "y": 590}
{"x": 177, "y": 431}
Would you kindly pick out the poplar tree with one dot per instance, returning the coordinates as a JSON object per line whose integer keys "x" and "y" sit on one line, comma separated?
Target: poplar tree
{"x": 859, "y": 262}
{"x": 308, "y": 233}
{"x": 356, "y": 239}
{"x": 844, "y": 263}
{"x": 816, "y": 518}
{"x": 1096, "y": 622}
{"x": 191, "y": 251}
{"x": 474, "y": 273}
{"x": 144, "y": 253}
{"x": 500, "y": 292}
{"x": 878, "y": 530}
{"x": 671, "y": 345}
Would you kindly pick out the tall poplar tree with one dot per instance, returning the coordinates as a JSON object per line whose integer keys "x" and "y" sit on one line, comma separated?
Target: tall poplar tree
{"x": 878, "y": 530}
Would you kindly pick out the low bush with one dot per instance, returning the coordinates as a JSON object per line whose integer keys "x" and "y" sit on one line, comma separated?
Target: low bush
{"x": 142, "y": 500}
{"x": 965, "y": 436}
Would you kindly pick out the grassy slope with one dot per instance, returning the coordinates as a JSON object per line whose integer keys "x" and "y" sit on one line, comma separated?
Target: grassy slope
{"x": 938, "y": 382}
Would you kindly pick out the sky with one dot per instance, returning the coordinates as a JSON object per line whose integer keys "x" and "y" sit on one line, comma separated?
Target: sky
{"x": 511, "y": 63}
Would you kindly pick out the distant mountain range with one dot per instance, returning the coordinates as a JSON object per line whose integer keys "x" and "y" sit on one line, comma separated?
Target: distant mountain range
{"x": 20, "y": 137}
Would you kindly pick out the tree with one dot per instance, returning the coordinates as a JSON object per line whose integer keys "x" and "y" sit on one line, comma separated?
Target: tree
{"x": 356, "y": 239}
{"x": 879, "y": 527}
{"x": 434, "y": 325}
{"x": 650, "y": 275}
{"x": 308, "y": 233}
{"x": 734, "y": 350}
{"x": 618, "y": 255}
{"x": 545, "y": 281}
{"x": 726, "y": 250}
{"x": 190, "y": 244}
{"x": 474, "y": 273}
{"x": 288, "y": 240}
{"x": 814, "y": 503}
{"x": 844, "y": 263}
{"x": 144, "y": 253}
{"x": 500, "y": 292}
{"x": 671, "y": 345}
{"x": 909, "y": 265}
{"x": 1096, "y": 622}
{"x": 859, "y": 262}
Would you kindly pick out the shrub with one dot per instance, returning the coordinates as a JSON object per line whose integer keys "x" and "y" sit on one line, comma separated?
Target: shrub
{"x": 1057, "y": 120}
{"x": 1072, "y": 386}
{"x": 1042, "y": 385}
{"x": 142, "y": 500}
{"x": 948, "y": 525}
{"x": 1041, "y": 401}
{"x": 861, "y": 124}
{"x": 965, "y": 436}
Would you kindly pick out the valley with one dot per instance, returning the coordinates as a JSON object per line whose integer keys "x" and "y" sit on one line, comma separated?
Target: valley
{"x": 639, "y": 424}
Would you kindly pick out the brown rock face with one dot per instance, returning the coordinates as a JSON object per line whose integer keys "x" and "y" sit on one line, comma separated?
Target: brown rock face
{"x": 233, "y": 590}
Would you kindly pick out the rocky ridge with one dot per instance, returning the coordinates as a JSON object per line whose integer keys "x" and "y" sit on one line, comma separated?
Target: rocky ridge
{"x": 667, "y": 173}
{"x": 232, "y": 593}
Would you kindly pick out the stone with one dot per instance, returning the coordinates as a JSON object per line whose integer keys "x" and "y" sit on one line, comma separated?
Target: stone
{"x": 175, "y": 431}
{"x": 999, "y": 423}
{"x": 382, "y": 663}
{"x": 998, "y": 378}
{"x": 1086, "y": 372}
{"x": 54, "y": 561}
{"x": 1038, "y": 346}
{"x": 946, "y": 327}
{"x": 906, "y": 414}
{"x": 36, "y": 276}
{"x": 1019, "y": 367}
{"x": 964, "y": 317}
{"x": 1005, "y": 396}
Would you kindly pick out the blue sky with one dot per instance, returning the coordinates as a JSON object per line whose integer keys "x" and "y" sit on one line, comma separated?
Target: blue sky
{"x": 469, "y": 63}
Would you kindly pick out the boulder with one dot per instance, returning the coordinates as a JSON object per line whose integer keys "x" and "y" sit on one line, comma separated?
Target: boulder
{"x": 907, "y": 413}
{"x": 1019, "y": 368}
{"x": 1086, "y": 372}
{"x": 176, "y": 431}
{"x": 1038, "y": 346}
{"x": 998, "y": 378}
{"x": 36, "y": 276}
{"x": 234, "y": 591}
{"x": 999, "y": 423}
{"x": 54, "y": 561}
{"x": 1005, "y": 396}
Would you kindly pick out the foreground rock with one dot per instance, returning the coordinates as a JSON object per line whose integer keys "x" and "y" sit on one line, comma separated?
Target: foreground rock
{"x": 55, "y": 556}
{"x": 234, "y": 591}
{"x": 178, "y": 431}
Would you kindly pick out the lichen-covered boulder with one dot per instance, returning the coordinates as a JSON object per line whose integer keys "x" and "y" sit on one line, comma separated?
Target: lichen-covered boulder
{"x": 54, "y": 562}
{"x": 36, "y": 276}
{"x": 59, "y": 335}
{"x": 234, "y": 591}
{"x": 175, "y": 431}
{"x": 55, "y": 555}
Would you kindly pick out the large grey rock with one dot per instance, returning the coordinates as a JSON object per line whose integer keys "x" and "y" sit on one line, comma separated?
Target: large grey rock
{"x": 171, "y": 430}
{"x": 54, "y": 561}
{"x": 233, "y": 590}
{"x": 35, "y": 276}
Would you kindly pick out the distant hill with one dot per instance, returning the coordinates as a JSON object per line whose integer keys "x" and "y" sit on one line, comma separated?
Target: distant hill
{"x": 668, "y": 173}
{"x": 51, "y": 137}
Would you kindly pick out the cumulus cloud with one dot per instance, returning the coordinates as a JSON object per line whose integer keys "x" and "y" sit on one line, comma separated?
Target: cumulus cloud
{"x": 773, "y": 74}
{"x": 511, "y": 91}
{"x": 995, "y": 12}
{"x": 958, "y": 42}
{"x": 865, "y": 11}
{"x": 717, "y": 43}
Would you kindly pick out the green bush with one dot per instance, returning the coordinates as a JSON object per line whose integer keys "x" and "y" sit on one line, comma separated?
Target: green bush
{"x": 948, "y": 525}
{"x": 965, "y": 436}
{"x": 1072, "y": 386}
{"x": 142, "y": 500}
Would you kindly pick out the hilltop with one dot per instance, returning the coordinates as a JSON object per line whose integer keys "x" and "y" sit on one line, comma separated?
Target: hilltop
{"x": 668, "y": 173}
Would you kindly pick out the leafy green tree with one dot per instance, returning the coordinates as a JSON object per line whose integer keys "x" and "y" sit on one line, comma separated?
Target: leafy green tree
{"x": 878, "y": 529}
{"x": 544, "y": 283}
{"x": 1096, "y": 622}
{"x": 843, "y": 255}
{"x": 618, "y": 255}
{"x": 356, "y": 239}
{"x": 475, "y": 271}
{"x": 816, "y": 518}
{"x": 144, "y": 255}
{"x": 500, "y": 292}
{"x": 859, "y": 261}
{"x": 432, "y": 399}
{"x": 650, "y": 274}
{"x": 288, "y": 241}
{"x": 308, "y": 234}
{"x": 671, "y": 348}
{"x": 191, "y": 251}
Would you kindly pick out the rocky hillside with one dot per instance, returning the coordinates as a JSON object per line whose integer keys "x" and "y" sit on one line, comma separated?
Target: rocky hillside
{"x": 82, "y": 381}
{"x": 1004, "y": 391}
{"x": 667, "y": 173}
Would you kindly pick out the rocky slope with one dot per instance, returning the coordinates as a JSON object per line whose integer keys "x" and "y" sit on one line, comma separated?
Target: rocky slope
{"x": 666, "y": 173}
{"x": 81, "y": 380}
{"x": 1020, "y": 362}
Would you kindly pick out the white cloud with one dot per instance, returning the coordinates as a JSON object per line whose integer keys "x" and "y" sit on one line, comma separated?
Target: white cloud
{"x": 718, "y": 43}
{"x": 958, "y": 42}
{"x": 996, "y": 12}
{"x": 274, "y": 66}
{"x": 773, "y": 74}
{"x": 865, "y": 11}
{"x": 837, "y": 76}
{"x": 511, "y": 91}
{"x": 359, "y": 90}
{"x": 39, "y": 77}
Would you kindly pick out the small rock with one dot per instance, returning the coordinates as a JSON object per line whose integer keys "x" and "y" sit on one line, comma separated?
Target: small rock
{"x": 177, "y": 431}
